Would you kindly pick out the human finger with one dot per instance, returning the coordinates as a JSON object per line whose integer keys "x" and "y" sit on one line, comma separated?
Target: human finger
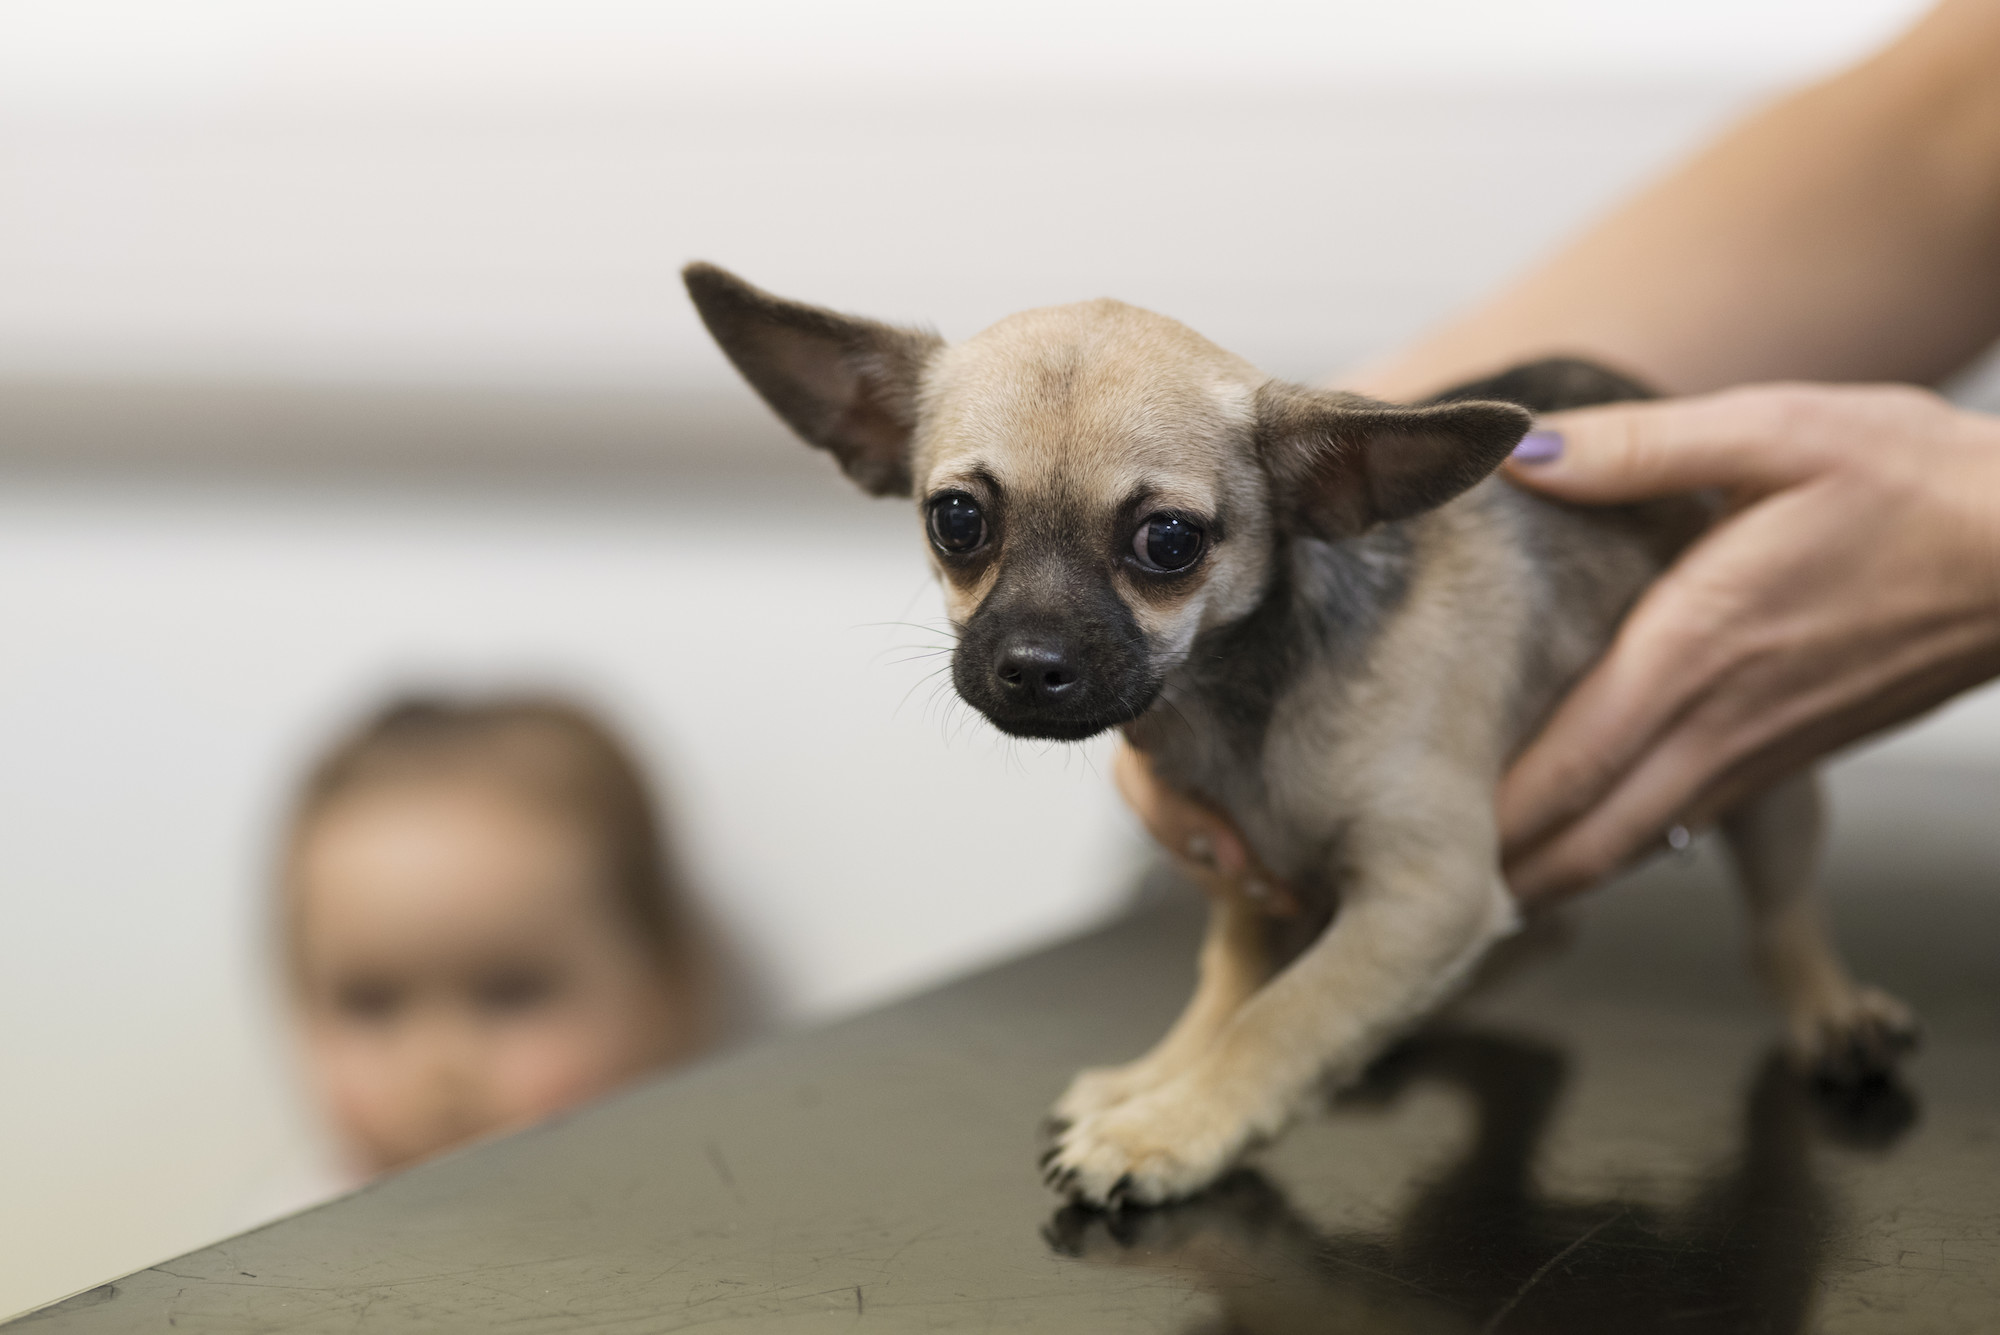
{"x": 1185, "y": 827}
{"x": 1628, "y": 821}
{"x": 1752, "y": 441}
{"x": 1748, "y": 732}
{"x": 1662, "y": 661}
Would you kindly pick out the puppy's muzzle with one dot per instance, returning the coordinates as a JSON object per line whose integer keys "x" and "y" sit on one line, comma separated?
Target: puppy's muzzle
{"x": 1053, "y": 651}
{"x": 1039, "y": 680}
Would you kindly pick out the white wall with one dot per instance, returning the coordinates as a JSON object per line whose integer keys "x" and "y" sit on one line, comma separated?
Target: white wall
{"x": 100, "y": 54}
{"x": 499, "y": 195}
{"x": 442, "y": 188}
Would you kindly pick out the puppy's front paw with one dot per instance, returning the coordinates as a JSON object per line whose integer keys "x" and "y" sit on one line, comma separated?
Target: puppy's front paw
{"x": 1097, "y": 1089}
{"x": 1155, "y": 1147}
{"x": 1858, "y": 1042}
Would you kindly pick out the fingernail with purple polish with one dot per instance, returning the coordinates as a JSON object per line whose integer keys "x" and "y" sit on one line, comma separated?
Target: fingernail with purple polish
{"x": 1539, "y": 447}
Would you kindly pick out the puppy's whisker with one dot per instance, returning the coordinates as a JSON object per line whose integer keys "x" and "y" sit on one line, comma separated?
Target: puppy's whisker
{"x": 929, "y": 678}
{"x": 939, "y": 703}
{"x": 908, "y": 657}
{"x": 915, "y": 657}
{"x": 939, "y": 627}
{"x": 945, "y": 701}
{"x": 966, "y": 717}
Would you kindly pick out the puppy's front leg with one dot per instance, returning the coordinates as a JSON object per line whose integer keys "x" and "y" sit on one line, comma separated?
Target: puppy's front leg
{"x": 1423, "y": 903}
{"x": 1234, "y": 963}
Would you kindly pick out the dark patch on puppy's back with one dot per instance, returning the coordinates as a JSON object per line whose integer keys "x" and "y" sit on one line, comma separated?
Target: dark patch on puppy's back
{"x": 1553, "y": 385}
{"x": 1594, "y": 561}
{"x": 1562, "y": 384}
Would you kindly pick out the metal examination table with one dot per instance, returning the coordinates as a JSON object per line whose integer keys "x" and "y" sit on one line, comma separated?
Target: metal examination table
{"x": 1601, "y": 1143}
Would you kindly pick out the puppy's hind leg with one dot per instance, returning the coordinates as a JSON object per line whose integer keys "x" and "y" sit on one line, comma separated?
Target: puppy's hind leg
{"x": 1839, "y": 1031}
{"x": 1234, "y": 962}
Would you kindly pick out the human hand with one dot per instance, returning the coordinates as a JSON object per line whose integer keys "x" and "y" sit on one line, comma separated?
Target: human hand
{"x": 1854, "y": 584}
{"x": 1202, "y": 839}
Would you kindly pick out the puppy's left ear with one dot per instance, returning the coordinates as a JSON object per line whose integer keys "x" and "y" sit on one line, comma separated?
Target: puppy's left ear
{"x": 1344, "y": 463}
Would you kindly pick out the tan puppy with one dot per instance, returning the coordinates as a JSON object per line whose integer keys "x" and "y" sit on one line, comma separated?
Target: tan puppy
{"x": 1308, "y": 608}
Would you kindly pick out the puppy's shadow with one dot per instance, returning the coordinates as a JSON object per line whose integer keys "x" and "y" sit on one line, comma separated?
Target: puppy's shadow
{"x": 1483, "y": 1249}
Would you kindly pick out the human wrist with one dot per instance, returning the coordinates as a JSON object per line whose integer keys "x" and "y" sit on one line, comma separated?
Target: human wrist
{"x": 1982, "y": 488}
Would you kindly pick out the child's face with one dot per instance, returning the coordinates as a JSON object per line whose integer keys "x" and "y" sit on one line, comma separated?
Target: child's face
{"x": 463, "y": 969}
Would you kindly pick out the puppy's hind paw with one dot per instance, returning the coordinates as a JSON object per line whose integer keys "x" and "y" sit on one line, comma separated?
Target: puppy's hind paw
{"x": 1860, "y": 1044}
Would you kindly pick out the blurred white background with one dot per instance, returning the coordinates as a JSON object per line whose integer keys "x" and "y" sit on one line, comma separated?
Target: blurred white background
{"x": 341, "y": 349}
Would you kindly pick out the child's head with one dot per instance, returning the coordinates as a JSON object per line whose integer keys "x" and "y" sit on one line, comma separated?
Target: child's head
{"x": 480, "y": 926}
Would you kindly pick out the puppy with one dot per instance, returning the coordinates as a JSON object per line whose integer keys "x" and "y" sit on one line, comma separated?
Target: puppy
{"x": 1310, "y": 608}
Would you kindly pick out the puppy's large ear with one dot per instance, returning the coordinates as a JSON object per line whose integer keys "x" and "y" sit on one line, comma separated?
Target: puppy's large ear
{"x": 1343, "y": 463}
{"x": 845, "y": 384}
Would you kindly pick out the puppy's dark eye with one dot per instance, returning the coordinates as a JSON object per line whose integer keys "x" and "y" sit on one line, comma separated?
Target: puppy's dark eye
{"x": 957, "y": 525}
{"x": 1167, "y": 542}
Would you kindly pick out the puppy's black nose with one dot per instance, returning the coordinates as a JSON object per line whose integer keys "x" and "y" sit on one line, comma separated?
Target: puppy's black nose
{"x": 1034, "y": 671}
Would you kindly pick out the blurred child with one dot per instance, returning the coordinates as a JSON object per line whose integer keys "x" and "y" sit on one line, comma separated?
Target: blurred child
{"x": 481, "y": 927}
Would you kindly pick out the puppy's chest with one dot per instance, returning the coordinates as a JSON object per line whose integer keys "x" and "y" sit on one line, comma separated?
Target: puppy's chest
{"x": 1276, "y": 776}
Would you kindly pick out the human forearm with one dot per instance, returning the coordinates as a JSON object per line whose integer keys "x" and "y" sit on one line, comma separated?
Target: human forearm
{"x": 1852, "y": 231}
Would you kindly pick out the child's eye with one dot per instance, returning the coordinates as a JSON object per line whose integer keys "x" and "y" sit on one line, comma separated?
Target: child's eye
{"x": 370, "y": 999}
{"x": 512, "y": 990}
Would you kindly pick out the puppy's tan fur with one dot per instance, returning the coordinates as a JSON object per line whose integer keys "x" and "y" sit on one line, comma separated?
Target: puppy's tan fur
{"x": 1367, "y": 636}
{"x": 1076, "y": 429}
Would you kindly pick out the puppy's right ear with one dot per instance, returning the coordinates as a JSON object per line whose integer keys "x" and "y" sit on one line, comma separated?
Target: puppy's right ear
{"x": 1346, "y": 464}
{"x": 845, "y": 384}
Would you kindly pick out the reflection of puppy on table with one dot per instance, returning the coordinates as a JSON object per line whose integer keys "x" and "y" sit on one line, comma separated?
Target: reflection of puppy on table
{"x": 1481, "y": 1248}
{"x": 1313, "y": 610}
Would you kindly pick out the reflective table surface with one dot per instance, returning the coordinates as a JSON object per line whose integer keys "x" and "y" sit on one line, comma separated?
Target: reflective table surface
{"x": 1599, "y": 1141}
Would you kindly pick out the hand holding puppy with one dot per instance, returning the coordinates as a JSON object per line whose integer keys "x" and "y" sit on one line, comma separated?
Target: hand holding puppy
{"x": 1854, "y": 584}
